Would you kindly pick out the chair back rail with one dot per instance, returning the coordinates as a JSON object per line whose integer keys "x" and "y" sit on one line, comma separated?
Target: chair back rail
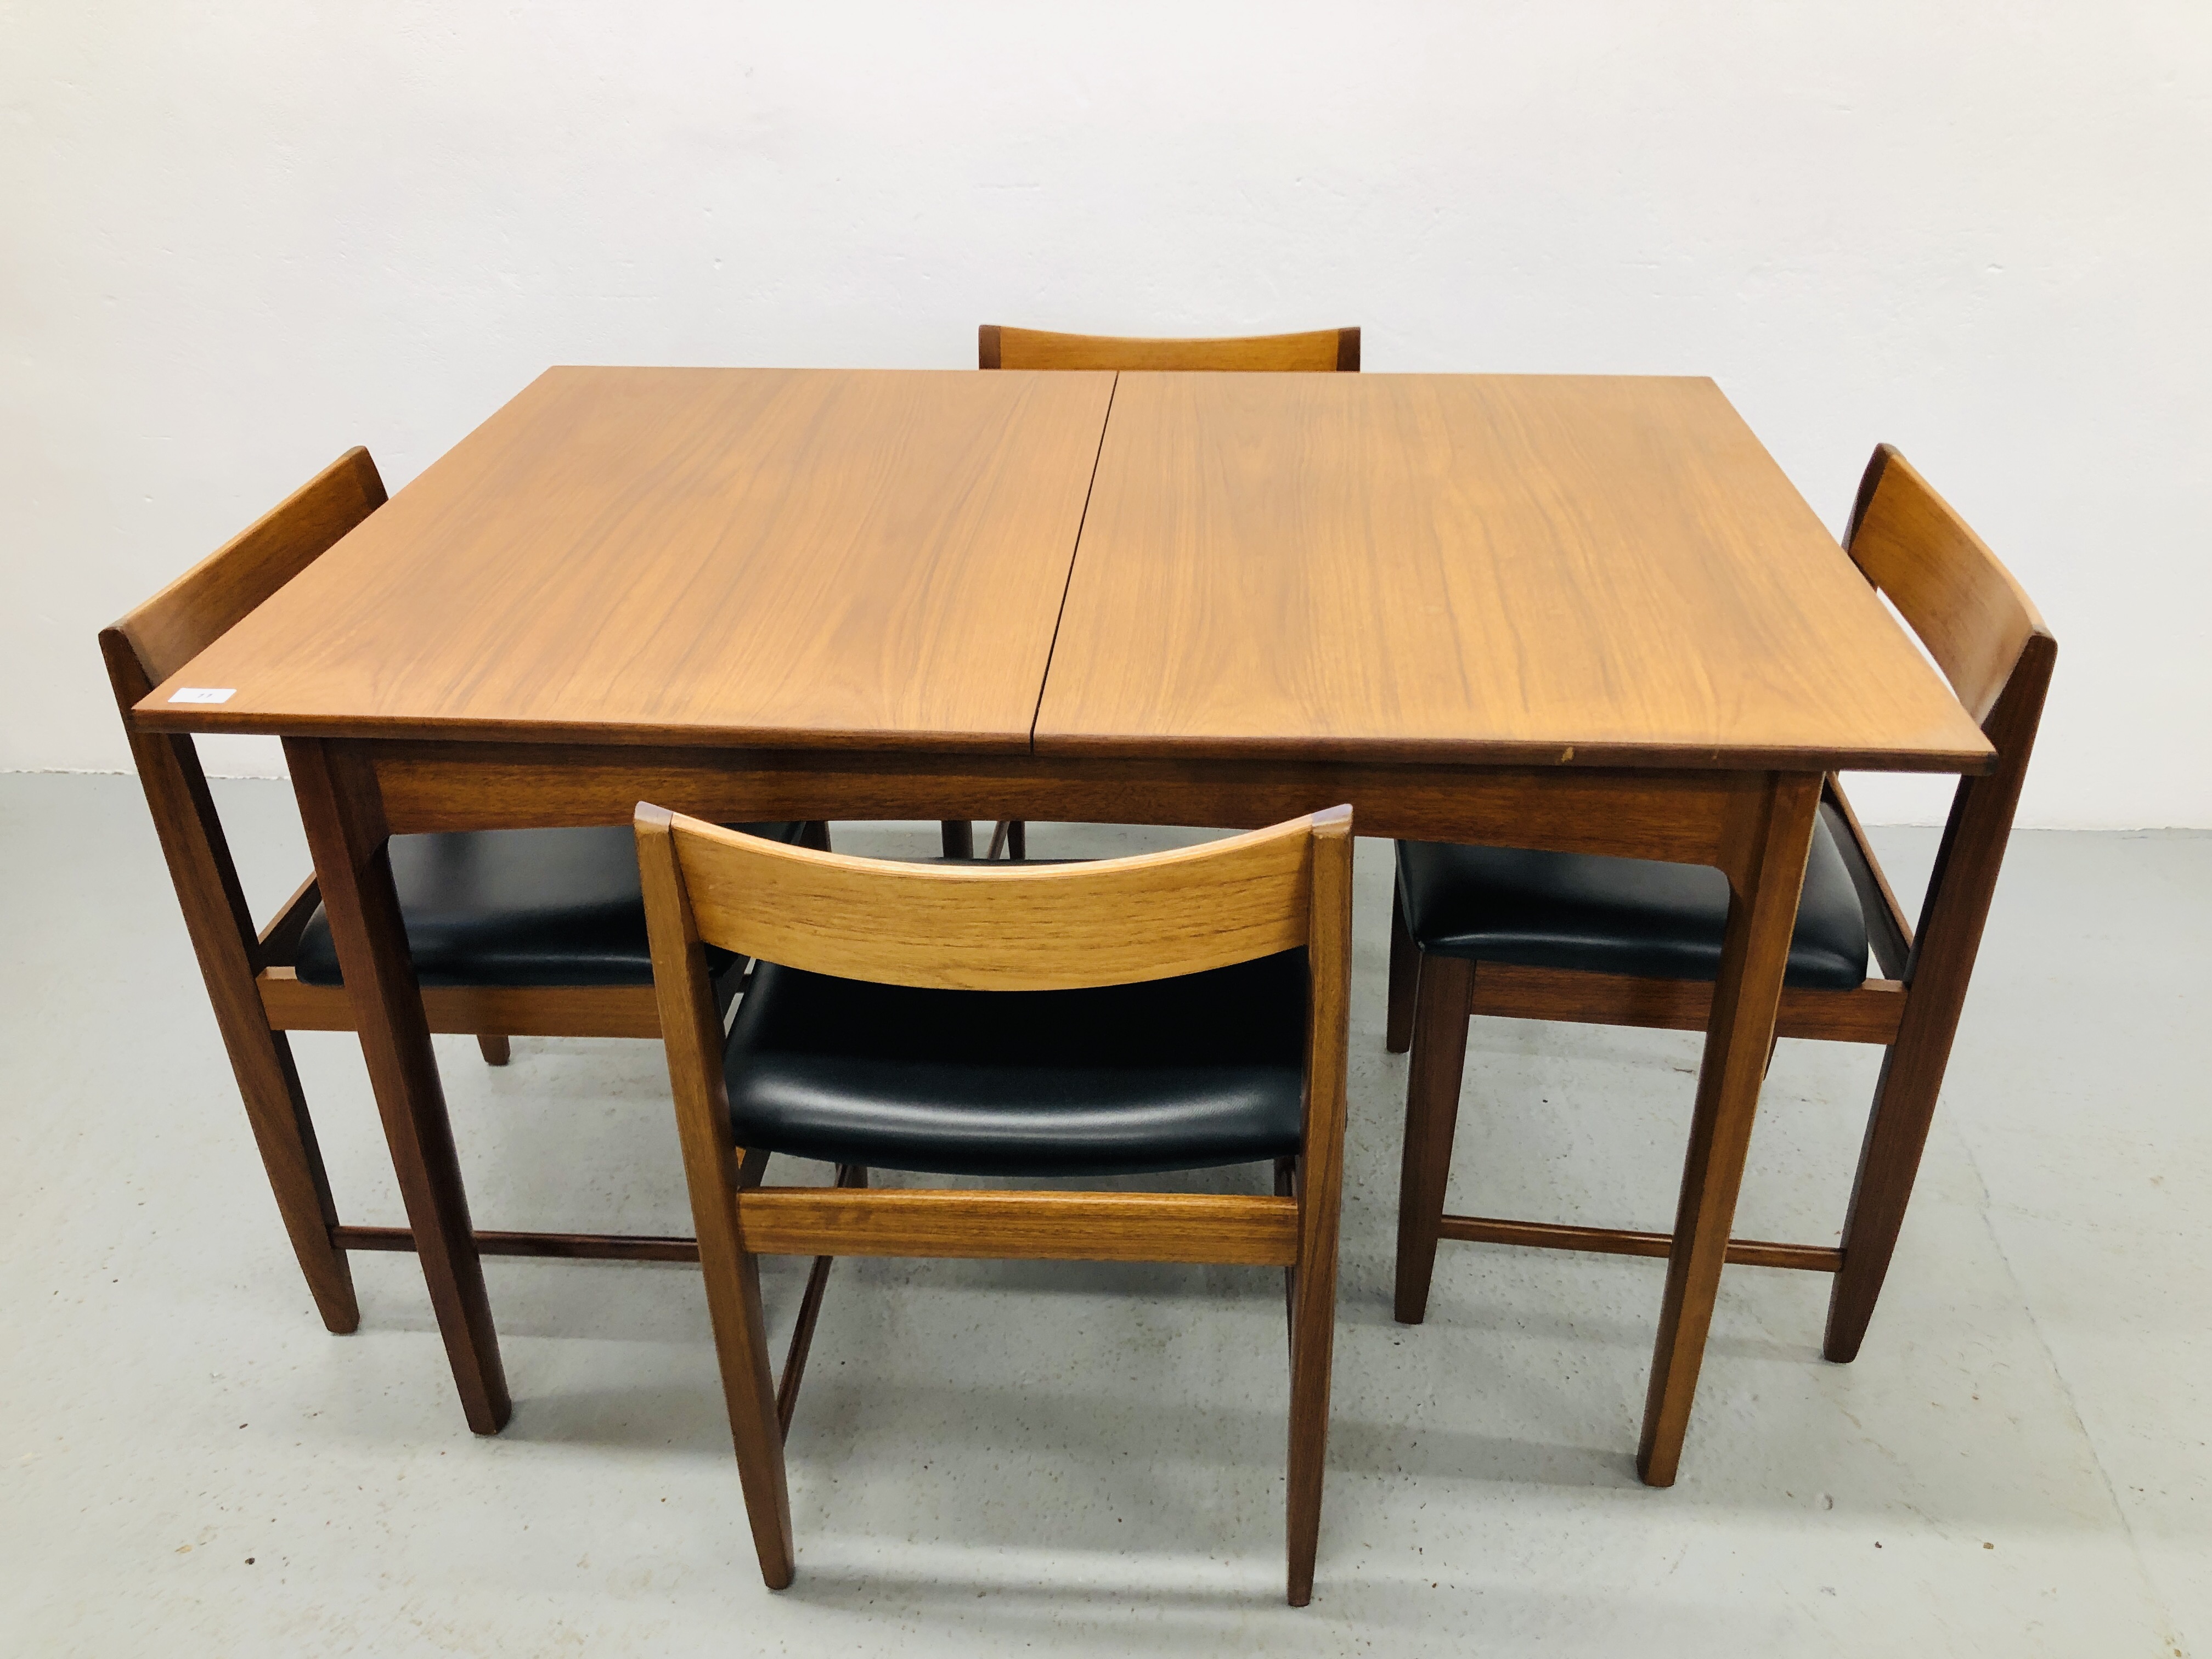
{"x": 1951, "y": 590}
{"x": 974, "y": 927}
{"x": 215, "y": 595}
{"x": 157, "y": 638}
{"x": 1319, "y": 352}
{"x": 1989, "y": 639}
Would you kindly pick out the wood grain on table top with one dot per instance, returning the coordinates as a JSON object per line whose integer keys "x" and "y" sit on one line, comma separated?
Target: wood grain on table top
{"x": 791, "y": 556}
{"x": 1533, "y": 569}
{"x": 1592, "y": 569}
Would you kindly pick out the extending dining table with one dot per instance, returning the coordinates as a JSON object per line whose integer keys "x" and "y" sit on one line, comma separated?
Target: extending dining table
{"x": 1581, "y": 613}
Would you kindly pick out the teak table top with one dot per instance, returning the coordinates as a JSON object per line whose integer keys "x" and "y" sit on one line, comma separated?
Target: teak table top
{"x": 1472, "y": 569}
{"x": 1475, "y": 608}
{"x": 779, "y": 556}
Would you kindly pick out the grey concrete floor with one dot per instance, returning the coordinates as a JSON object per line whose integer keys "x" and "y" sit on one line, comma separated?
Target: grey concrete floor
{"x": 1003, "y": 1457}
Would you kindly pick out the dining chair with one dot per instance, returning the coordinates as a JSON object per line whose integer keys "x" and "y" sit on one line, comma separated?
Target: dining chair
{"x": 513, "y": 932}
{"x": 1317, "y": 351}
{"x": 1528, "y": 935}
{"x": 1177, "y": 1011}
{"x": 1320, "y": 350}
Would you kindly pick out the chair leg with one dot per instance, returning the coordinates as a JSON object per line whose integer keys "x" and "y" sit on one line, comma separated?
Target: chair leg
{"x": 1286, "y": 1185}
{"x": 493, "y": 1048}
{"x": 1405, "y": 973}
{"x": 1889, "y": 1162}
{"x": 260, "y": 1057}
{"x": 1018, "y": 839}
{"x": 749, "y": 1392}
{"x": 285, "y": 1134}
{"x": 959, "y": 838}
{"x": 815, "y": 835}
{"x": 741, "y": 1344}
{"x": 1445, "y": 988}
{"x": 1313, "y": 1340}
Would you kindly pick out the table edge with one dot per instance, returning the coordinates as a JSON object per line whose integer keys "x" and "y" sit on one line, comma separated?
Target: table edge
{"x": 187, "y": 719}
{"x": 1521, "y": 753}
{"x": 152, "y": 716}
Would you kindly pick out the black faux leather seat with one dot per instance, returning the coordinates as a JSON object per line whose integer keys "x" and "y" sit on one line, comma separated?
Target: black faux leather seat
{"x": 1185, "y": 1073}
{"x": 518, "y": 907}
{"x": 1619, "y": 915}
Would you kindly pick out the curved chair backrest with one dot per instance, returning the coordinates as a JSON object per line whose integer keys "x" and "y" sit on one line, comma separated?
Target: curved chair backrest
{"x": 997, "y": 927}
{"x": 217, "y": 593}
{"x": 1322, "y": 351}
{"x": 1985, "y": 634}
{"x": 1964, "y": 605}
{"x": 166, "y": 632}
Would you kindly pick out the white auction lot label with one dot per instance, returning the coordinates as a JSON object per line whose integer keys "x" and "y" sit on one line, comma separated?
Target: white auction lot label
{"x": 204, "y": 694}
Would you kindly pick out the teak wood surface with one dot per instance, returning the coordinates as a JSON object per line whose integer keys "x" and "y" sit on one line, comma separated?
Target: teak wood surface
{"x": 1499, "y": 569}
{"x": 1574, "y": 613}
{"x": 1322, "y": 351}
{"x": 1333, "y": 350}
{"x": 639, "y": 554}
{"x": 954, "y": 926}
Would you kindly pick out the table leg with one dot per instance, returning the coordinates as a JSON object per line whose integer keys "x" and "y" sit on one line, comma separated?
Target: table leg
{"x": 344, "y": 811}
{"x": 1768, "y": 837}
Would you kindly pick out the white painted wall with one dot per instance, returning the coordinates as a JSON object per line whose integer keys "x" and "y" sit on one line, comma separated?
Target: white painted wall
{"x": 239, "y": 238}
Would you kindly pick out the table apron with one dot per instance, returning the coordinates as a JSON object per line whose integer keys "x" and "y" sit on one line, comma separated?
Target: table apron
{"x": 1679, "y": 816}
